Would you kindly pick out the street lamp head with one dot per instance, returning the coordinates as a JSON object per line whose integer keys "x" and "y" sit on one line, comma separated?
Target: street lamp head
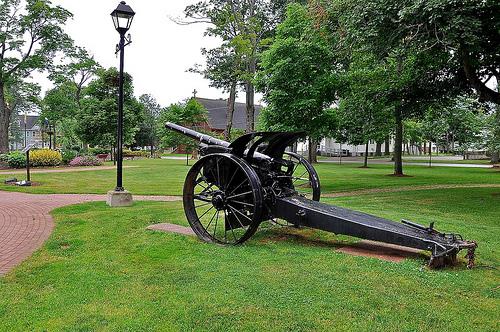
{"x": 122, "y": 17}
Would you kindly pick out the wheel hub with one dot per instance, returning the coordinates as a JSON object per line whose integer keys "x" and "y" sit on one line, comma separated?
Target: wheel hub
{"x": 219, "y": 200}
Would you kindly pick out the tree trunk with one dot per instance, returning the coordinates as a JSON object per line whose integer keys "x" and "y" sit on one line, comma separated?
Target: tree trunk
{"x": 230, "y": 111}
{"x": 495, "y": 155}
{"x": 250, "y": 107}
{"x": 4, "y": 122}
{"x": 430, "y": 154}
{"x": 365, "y": 164}
{"x": 312, "y": 155}
{"x": 398, "y": 143}
{"x": 387, "y": 146}
{"x": 378, "y": 149}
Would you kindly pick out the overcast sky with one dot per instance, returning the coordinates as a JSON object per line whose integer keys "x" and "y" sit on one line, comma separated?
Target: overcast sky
{"x": 160, "y": 53}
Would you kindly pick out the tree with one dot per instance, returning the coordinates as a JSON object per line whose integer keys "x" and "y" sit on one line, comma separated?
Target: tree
{"x": 467, "y": 31}
{"x": 434, "y": 127}
{"x": 97, "y": 118}
{"x": 190, "y": 114}
{"x": 458, "y": 125}
{"x": 22, "y": 98}
{"x": 465, "y": 34}
{"x": 415, "y": 75}
{"x": 80, "y": 69}
{"x": 244, "y": 26}
{"x": 223, "y": 70}
{"x": 297, "y": 78}
{"x": 363, "y": 108}
{"x": 29, "y": 39}
{"x": 147, "y": 134}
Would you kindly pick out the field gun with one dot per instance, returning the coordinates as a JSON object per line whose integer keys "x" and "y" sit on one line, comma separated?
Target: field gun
{"x": 236, "y": 186}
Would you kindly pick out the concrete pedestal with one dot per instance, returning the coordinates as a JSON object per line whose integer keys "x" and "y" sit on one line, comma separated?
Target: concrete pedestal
{"x": 119, "y": 198}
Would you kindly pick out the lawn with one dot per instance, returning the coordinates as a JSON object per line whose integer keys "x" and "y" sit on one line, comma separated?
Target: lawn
{"x": 101, "y": 270}
{"x": 165, "y": 177}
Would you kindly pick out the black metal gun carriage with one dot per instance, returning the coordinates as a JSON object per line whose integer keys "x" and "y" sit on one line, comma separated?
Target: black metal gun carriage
{"x": 236, "y": 186}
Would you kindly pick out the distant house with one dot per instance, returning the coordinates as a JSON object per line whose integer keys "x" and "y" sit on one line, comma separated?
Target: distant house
{"x": 217, "y": 110}
{"x": 31, "y": 131}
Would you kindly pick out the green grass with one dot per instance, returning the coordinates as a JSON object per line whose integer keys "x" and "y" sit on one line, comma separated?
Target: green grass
{"x": 165, "y": 177}
{"x": 101, "y": 270}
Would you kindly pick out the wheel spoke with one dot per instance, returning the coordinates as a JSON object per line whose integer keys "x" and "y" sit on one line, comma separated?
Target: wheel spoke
{"x": 229, "y": 223}
{"x": 238, "y": 195}
{"x": 218, "y": 174}
{"x": 246, "y": 180}
{"x": 232, "y": 177}
{"x": 199, "y": 206}
{"x": 300, "y": 176}
{"x": 243, "y": 203}
{"x": 234, "y": 210}
{"x": 202, "y": 198}
{"x": 211, "y": 219}
{"x": 204, "y": 213}
{"x": 240, "y": 212}
{"x": 216, "y": 220}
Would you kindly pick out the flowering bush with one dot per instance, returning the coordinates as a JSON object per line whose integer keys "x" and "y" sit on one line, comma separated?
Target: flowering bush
{"x": 45, "y": 157}
{"x": 85, "y": 161}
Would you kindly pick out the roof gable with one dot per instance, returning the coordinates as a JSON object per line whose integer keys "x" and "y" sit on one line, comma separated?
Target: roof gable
{"x": 217, "y": 109}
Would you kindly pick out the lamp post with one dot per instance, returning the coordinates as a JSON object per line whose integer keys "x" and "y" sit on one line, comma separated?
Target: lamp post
{"x": 122, "y": 19}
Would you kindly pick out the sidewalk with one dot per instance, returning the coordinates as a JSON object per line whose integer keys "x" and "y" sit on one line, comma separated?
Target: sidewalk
{"x": 26, "y": 223}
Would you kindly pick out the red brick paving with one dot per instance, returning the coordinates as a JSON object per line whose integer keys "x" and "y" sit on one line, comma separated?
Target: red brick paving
{"x": 25, "y": 221}
{"x": 171, "y": 228}
{"x": 379, "y": 250}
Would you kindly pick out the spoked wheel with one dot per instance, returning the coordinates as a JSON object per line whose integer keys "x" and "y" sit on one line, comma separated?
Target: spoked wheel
{"x": 223, "y": 199}
{"x": 304, "y": 176}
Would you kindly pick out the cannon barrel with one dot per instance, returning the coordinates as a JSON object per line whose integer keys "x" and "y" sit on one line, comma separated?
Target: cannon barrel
{"x": 206, "y": 139}
{"x": 209, "y": 140}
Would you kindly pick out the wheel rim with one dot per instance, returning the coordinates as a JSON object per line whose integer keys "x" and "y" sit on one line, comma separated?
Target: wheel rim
{"x": 222, "y": 199}
{"x": 304, "y": 177}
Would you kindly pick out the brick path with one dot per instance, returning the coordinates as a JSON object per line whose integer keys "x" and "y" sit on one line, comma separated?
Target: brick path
{"x": 25, "y": 222}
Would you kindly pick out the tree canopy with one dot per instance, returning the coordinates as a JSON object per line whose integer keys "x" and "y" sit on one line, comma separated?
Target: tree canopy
{"x": 30, "y": 35}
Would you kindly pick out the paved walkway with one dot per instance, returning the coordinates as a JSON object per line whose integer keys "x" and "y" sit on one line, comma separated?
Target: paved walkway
{"x": 25, "y": 221}
{"x": 383, "y": 161}
{"x": 62, "y": 170}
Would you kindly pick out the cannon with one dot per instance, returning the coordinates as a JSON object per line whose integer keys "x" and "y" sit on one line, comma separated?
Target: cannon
{"x": 236, "y": 186}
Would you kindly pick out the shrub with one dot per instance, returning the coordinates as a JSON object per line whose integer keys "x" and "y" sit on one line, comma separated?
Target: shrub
{"x": 129, "y": 153}
{"x": 96, "y": 151}
{"x": 85, "y": 161}
{"x": 45, "y": 157}
{"x": 4, "y": 158}
{"x": 68, "y": 156}
{"x": 16, "y": 159}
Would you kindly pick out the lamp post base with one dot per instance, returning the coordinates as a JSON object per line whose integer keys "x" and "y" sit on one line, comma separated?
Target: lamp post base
{"x": 119, "y": 198}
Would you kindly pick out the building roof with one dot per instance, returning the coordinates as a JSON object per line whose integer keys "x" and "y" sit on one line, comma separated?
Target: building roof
{"x": 31, "y": 122}
{"x": 217, "y": 109}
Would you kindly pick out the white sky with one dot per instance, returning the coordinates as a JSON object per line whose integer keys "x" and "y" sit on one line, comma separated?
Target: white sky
{"x": 160, "y": 53}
